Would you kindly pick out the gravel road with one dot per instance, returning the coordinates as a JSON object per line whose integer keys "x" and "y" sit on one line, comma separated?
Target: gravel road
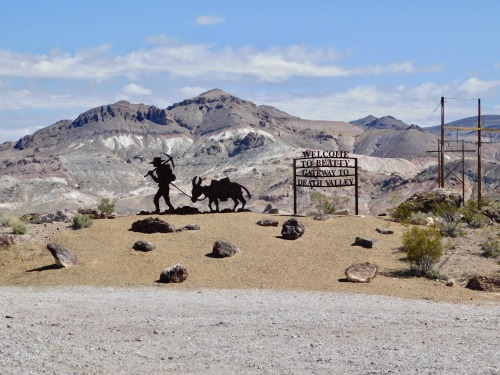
{"x": 84, "y": 330}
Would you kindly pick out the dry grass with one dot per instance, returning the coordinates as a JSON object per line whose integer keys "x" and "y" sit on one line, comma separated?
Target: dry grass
{"x": 314, "y": 262}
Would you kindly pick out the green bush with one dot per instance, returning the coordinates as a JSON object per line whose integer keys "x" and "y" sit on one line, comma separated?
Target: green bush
{"x": 106, "y": 207}
{"x": 423, "y": 247}
{"x": 491, "y": 249}
{"x": 328, "y": 204}
{"x": 478, "y": 221}
{"x": 452, "y": 229}
{"x": 82, "y": 221}
{"x": 402, "y": 212}
{"x": 418, "y": 218}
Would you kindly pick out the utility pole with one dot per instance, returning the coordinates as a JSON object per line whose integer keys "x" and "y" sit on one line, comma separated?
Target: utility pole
{"x": 441, "y": 182}
{"x": 479, "y": 174}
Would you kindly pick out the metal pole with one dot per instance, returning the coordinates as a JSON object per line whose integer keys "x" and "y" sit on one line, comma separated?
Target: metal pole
{"x": 479, "y": 174}
{"x": 463, "y": 173}
{"x": 294, "y": 187}
{"x": 442, "y": 142}
{"x": 439, "y": 163}
{"x": 356, "y": 192}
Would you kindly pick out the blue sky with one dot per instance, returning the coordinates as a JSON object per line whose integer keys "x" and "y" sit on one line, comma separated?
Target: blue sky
{"x": 328, "y": 60}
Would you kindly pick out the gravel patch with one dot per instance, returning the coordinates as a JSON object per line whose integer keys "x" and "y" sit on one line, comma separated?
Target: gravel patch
{"x": 88, "y": 330}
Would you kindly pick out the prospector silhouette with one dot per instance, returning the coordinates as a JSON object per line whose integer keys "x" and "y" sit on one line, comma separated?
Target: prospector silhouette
{"x": 219, "y": 190}
{"x": 164, "y": 176}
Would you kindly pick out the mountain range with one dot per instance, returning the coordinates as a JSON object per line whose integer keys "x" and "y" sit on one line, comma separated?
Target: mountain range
{"x": 105, "y": 152}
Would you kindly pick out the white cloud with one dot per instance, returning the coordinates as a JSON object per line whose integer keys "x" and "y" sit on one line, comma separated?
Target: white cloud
{"x": 192, "y": 61}
{"x": 135, "y": 89}
{"x": 209, "y": 20}
{"x": 475, "y": 88}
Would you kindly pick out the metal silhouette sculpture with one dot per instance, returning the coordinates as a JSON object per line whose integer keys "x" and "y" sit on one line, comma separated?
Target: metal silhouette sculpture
{"x": 219, "y": 191}
{"x": 164, "y": 177}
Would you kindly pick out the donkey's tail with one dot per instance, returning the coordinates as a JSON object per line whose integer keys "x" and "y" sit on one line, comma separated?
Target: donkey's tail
{"x": 249, "y": 195}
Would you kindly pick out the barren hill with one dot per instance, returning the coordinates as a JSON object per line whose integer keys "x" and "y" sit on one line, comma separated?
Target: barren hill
{"x": 105, "y": 151}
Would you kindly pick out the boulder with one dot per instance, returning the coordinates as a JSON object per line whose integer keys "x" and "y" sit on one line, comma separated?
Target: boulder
{"x": 384, "y": 231}
{"x": 175, "y": 274}
{"x": 58, "y": 216}
{"x": 223, "y": 249}
{"x": 186, "y": 210}
{"x": 322, "y": 217}
{"x": 341, "y": 212}
{"x": 426, "y": 201}
{"x": 361, "y": 272}
{"x": 268, "y": 208}
{"x": 365, "y": 242}
{"x": 189, "y": 227}
{"x": 292, "y": 229}
{"x": 484, "y": 283}
{"x": 152, "y": 225}
{"x": 144, "y": 246}
{"x": 273, "y": 211}
{"x": 63, "y": 256}
{"x": 268, "y": 223}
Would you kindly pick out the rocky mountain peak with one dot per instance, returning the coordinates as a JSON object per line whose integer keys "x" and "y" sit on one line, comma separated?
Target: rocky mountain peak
{"x": 215, "y": 93}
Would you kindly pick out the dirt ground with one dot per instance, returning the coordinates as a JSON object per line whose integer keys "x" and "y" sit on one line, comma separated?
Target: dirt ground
{"x": 315, "y": 262}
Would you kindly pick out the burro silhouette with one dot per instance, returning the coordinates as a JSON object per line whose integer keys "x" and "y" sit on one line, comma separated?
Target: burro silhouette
{"x": 164, "y": 176}
{"x": 219, "y": 190}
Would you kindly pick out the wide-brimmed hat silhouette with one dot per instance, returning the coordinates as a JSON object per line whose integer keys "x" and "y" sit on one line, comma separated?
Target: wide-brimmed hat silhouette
{"x": 156, "y": 161}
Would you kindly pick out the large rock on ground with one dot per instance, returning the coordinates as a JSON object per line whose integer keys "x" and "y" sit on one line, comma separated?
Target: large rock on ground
{"x": 175, "y": 274}
{"x": 63, "y": 256}
{"x": 144, "y": 246}
{"x": 365, "y": 242}
{"x": 268, "y": 223}
{"x": 292, "y": 229}
{"x": 426, "y": 201}
{"x": 484, "y": 283}
{"x": 361, "y": 272}
{"x": 223, "y": 249}
{"x": 152, "y": 225}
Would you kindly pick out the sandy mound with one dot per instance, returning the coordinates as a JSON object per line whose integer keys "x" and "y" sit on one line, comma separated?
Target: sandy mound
{"x": 315, "y": 262}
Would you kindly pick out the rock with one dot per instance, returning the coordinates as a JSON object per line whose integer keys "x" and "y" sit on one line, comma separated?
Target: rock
{"x": 186, "y": 210}
{"x": 292, "y": 229}
{"x": 144, "y": 246}
{"x": 361, "y": 272}
{"x": 62, "y": 255}
{"x": 58, "y": 216}
{"x": 450, "y": 282}
{"x": 189, "y": 227}
{"x": 322, "y": 217}
{"x": 384, "y": 231}
{"x": 341, "y": 212}
{"x": 268, "y": 223}
{"x": 492, "y": 211}
{"x": 113, "y": 215}
{"x": 268, "y": 208}
{"x": 152, "y": 225}
{"x": 484, "y": 283}
{"x": 6, "y": 239}
{"x": 274, "y": 211}
{"x": 365, "y": 242}
{"x": 175, "y": 274}
{"x": 223, "y": 249}
{"x": 90, "y": 212}
{"x": 426, "y": 201}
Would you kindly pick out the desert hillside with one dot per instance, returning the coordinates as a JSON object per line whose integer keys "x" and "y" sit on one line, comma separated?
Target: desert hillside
{"x": 314, "y": 262}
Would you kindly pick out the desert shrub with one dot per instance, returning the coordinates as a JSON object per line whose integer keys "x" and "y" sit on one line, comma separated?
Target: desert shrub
{"x": 436, "y": 274}
{"x": 423, "y": 247}
{"x": 452, "y": 229}
{"x": 402, "y": 212}
{"x": 418, "y": 218}
{"x": 491, "y": 249}
{"x": 328, "y": 204}
{"x": 106, "y": 206}
{"x": 82, "y": 221}
{"x": 478, "y": 221}
{"x": 19, "y": 227}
